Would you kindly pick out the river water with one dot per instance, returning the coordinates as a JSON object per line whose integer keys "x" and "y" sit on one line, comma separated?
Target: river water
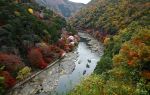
{"x": 67, "y": 73}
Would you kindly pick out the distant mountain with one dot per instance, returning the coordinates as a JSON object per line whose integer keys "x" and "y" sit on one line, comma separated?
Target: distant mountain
{"x": 64, "y": 7}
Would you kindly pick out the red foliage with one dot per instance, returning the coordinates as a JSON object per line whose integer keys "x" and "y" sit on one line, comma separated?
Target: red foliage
{"x": 47, "y": 53}
{"x": 145, "y": 74}
{"x": 9, "y": 80}
{"x": 130, "y": 62}
{"x": 50, "y": 53}
{"x": 42, "y": 64}
{"x": 56, "y": 49}
{"x": 11, "y": 62}
{"x": 36, "y": 58}
{"x": 61, "y": 43}
{"x": 67, "y": 48}
{"x": 48, "y": 59}
{"x": 71, "y": 47}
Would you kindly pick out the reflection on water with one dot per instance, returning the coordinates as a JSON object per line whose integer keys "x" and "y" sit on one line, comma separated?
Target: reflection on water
{"x": 85, "y": 64}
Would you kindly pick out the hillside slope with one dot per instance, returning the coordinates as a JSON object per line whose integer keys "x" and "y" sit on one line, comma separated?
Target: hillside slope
{"x": 29, "y": 40}
{"x": 64, "y": 7}
{"x": 123, "y": 26}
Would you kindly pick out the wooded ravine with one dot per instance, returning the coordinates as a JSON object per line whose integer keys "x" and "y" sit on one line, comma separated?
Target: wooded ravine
{"x": 99, "y": 48}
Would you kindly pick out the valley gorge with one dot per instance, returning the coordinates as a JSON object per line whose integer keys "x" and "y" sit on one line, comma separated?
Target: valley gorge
{"x": 59, "y": 47}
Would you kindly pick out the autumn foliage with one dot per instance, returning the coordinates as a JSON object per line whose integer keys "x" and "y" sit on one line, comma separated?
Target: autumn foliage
{"x": 9, "y": 81}
{"x": 36, "y": 58}
{"x": 44, "y": 55}
{"x": 11, "y": 62}
{"x": 136, "y": 52}
{"x": 28, "y": 37}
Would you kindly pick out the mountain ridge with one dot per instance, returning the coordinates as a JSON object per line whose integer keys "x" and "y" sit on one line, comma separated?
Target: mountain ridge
{"x": 65, "y": 7}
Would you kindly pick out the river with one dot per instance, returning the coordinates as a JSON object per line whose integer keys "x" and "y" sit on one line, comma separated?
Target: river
{"x": 67, "y": 73}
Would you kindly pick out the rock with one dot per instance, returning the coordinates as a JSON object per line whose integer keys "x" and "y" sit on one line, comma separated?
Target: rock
{"x": 84, "y": 72}
{"x": 89, "y": 60}
{"x": 79, "y": 62}
{"x": 87, "y": 66}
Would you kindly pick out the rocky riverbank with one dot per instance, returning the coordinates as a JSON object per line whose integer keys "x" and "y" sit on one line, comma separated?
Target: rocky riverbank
{"x": 93, "y": 44}
{"x": 47, "y": 80}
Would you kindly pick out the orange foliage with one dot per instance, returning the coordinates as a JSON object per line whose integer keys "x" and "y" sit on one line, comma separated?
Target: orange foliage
{"x": 133, "y": 54}
{"x": 130, "y": 62}
{"x": 136, "y": 41}
{"x": 106, "y": 40}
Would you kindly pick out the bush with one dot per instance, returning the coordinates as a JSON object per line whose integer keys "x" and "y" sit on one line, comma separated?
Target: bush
{"x": 9, "y": 81}
{"x": 36, "y": 58}
{"x": 51, "y": 52}
{"x": 103, "y": 65}
{"x": 93, "y": 85}
{"x": 117, "y": 81}
{"x": 11, "y": 62}
{"x": 23, "y": 73}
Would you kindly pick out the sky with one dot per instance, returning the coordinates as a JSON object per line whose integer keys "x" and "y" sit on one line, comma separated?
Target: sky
{"x": 81, "y": 1}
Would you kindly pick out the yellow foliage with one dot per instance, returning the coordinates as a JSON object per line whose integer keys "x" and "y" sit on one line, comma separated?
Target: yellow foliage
{"x": 119, "y": 72}
{"x": 23, "y": 73}
{"x": 30, "y": 10}
{"x": 106, "y": 40}
{"x": 117, "y": 59}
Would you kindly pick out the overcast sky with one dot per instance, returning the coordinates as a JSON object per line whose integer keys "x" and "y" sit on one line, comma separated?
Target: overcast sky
{"x": 81, "y": 1}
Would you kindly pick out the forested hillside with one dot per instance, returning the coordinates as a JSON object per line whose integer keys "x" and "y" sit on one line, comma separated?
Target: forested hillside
{"x": 123, "y": 27}
{"x": 29, "y": 40}
{"x": 65, "y": 7}
{"x": 32, "y": 37}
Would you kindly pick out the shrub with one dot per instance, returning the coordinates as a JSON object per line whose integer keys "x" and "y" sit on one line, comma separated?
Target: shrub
{"x": 23, "y": 73}
{"x": 67, "y": 48}
{"x": 114, "y": 82}
{"x": 103, "y": 65}
{"x": 57, "y": 50}
{"x": 51, "y": 53}
{"x": 48, "y": 54}
{"x": 93, "y": 85}
{"x": 9, "y": 81}
{"x": 61, "y": 43}
{"x": 36, "y": 58}
{"x": 11, "y": 62}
